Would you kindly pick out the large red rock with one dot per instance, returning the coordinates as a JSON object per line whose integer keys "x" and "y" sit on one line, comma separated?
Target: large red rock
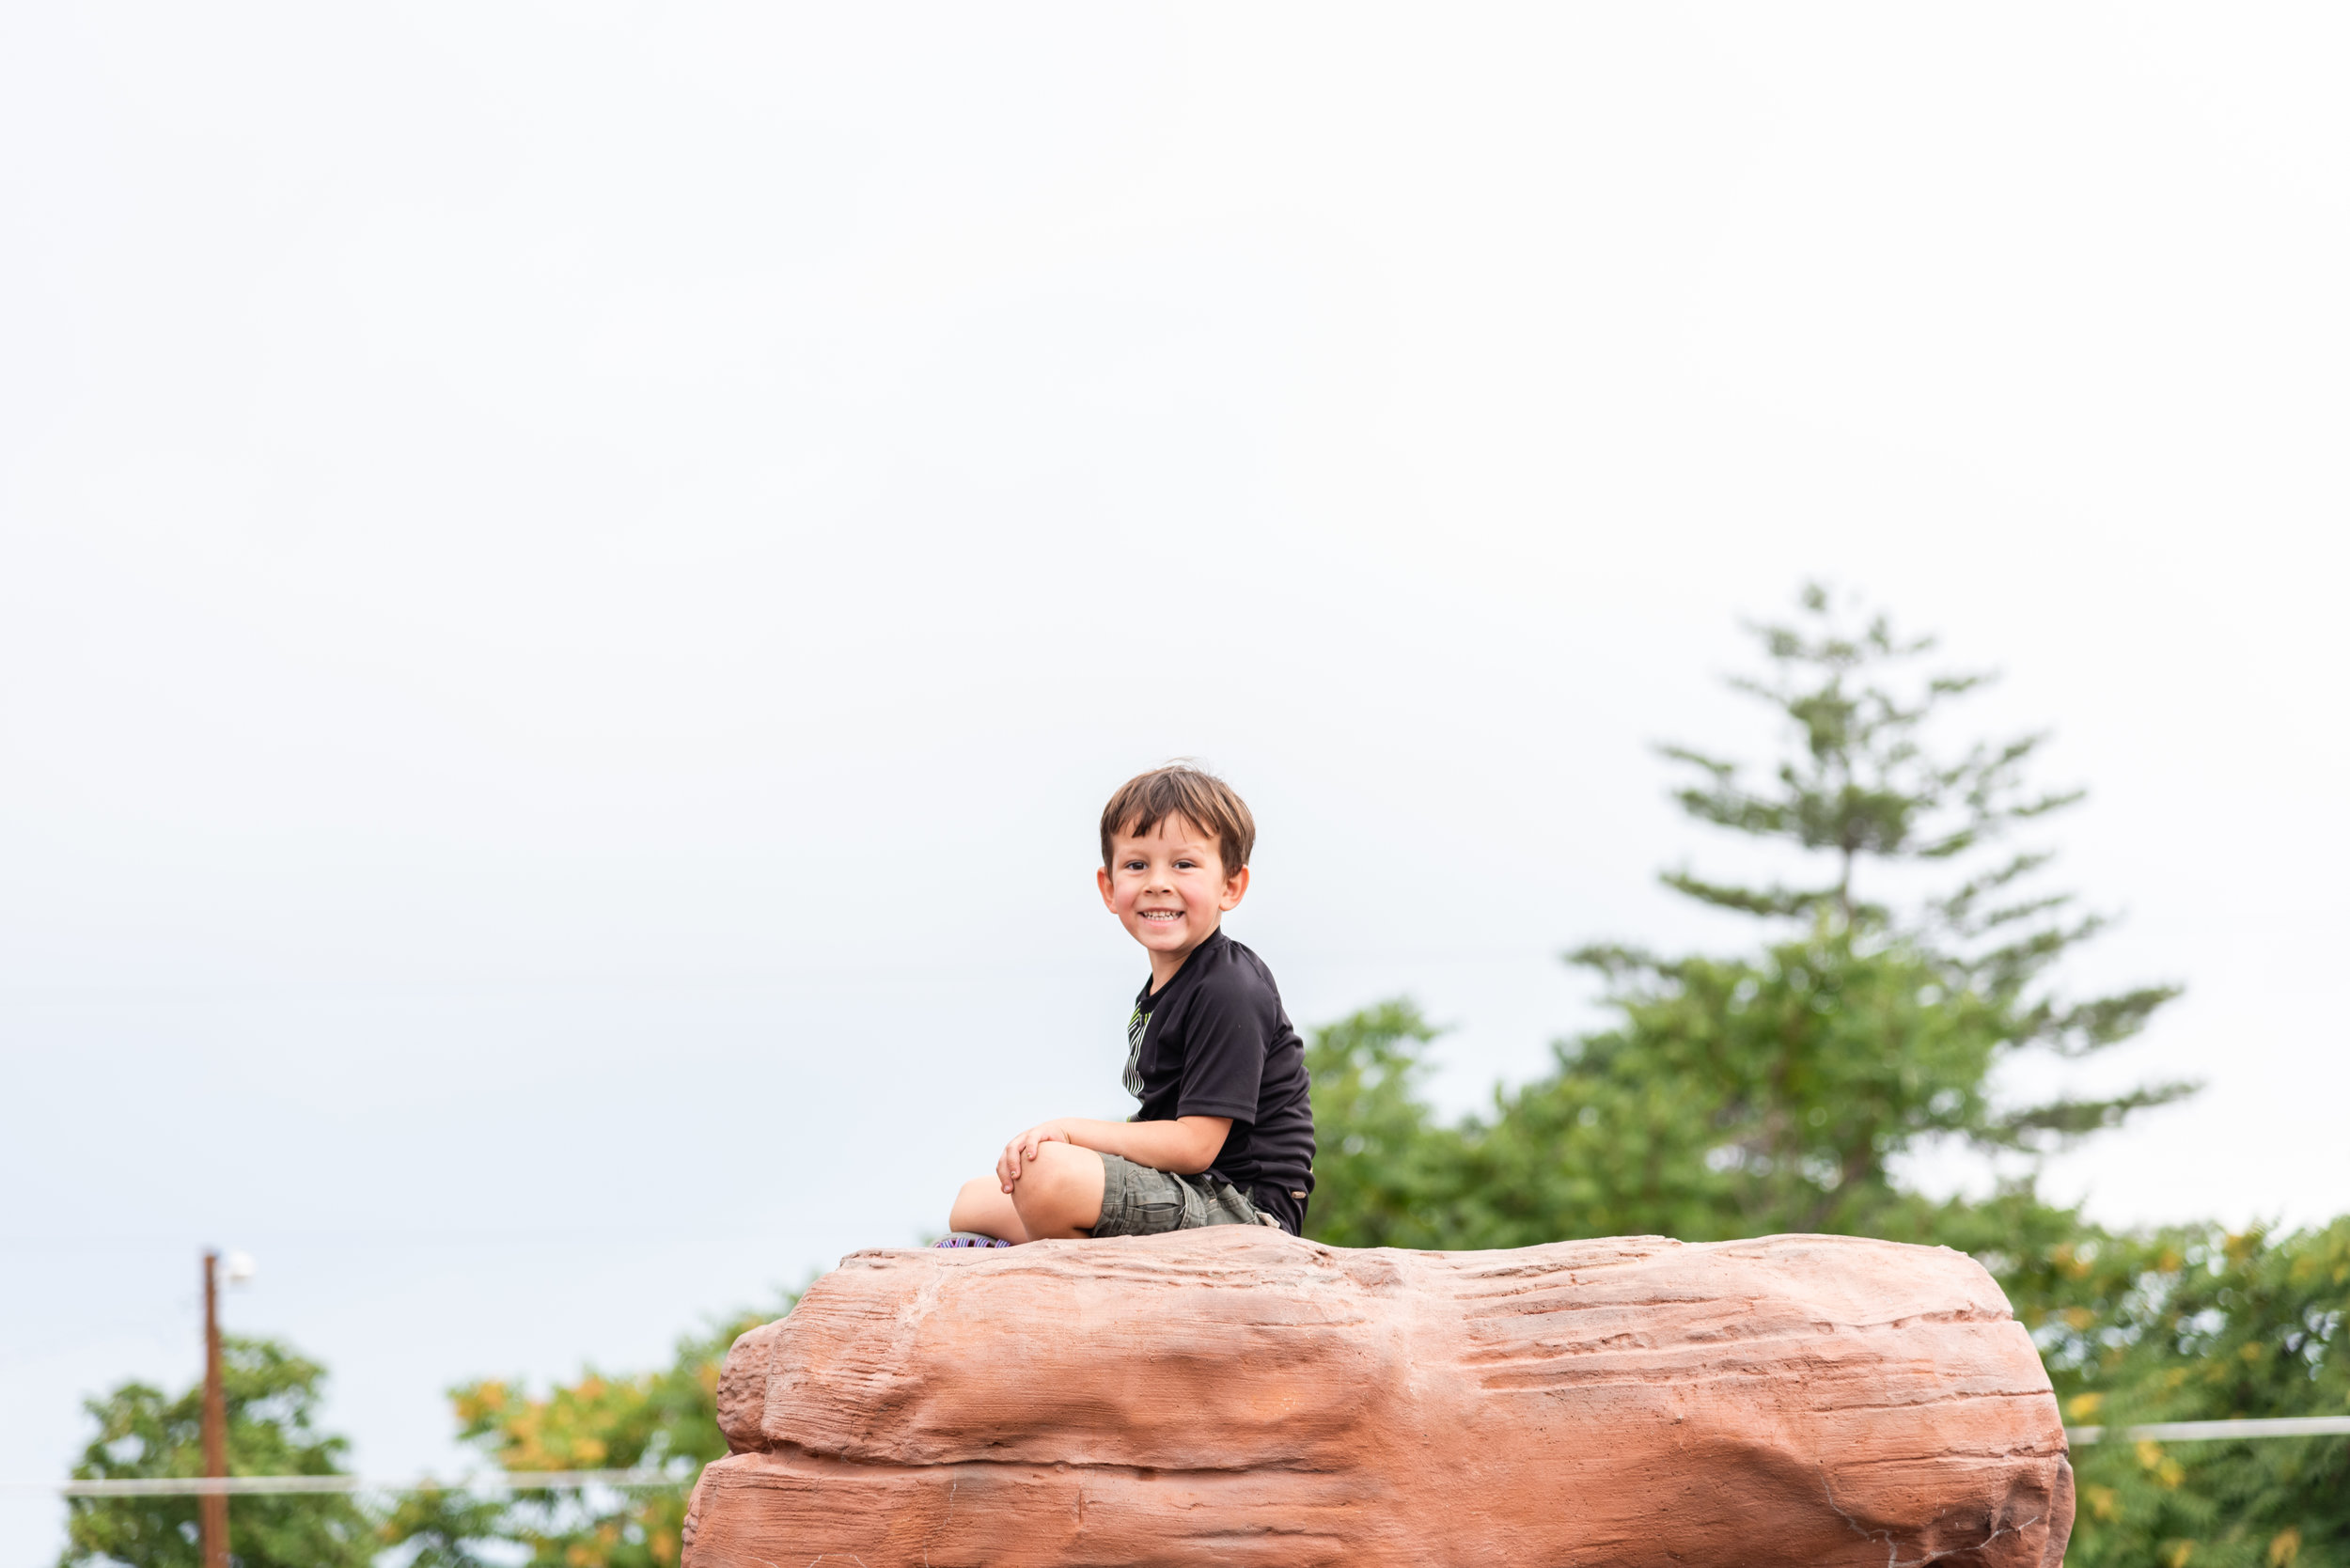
{"x": 1234, "y": 1396}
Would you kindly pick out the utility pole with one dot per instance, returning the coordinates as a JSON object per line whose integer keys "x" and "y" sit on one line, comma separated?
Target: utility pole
{"x": 213, "y": 1508}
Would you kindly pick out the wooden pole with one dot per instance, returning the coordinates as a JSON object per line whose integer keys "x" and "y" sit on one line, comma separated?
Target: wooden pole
{"x": 213, "y": 1509}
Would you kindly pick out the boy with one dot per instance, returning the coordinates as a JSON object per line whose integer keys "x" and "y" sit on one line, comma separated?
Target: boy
{"x": 1225, "y": 1133}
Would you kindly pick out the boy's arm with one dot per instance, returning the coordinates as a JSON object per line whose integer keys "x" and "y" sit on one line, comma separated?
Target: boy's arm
{"x": 1186, "y": 1146}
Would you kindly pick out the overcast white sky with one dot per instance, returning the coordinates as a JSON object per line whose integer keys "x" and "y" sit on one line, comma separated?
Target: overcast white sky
{"x": 572, "y": 579}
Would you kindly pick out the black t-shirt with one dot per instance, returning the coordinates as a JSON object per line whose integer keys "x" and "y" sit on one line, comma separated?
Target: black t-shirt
{"x": 1214, "y": 1042}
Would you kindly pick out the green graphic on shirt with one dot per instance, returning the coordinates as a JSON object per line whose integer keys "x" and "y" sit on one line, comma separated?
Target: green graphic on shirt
{"x": 1134, "y": 1028}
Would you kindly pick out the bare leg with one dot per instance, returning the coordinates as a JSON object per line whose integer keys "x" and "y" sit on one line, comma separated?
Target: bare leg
{"x": 1059, "y": 1193}
{"x": 986, "y": 1209}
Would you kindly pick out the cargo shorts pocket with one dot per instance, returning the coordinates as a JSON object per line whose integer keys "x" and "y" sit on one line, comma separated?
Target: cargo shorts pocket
{"x": 1137, "y": 1200}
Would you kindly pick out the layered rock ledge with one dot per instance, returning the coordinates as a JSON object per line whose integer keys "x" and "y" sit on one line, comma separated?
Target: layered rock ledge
{"x": 1234, "y": 1396}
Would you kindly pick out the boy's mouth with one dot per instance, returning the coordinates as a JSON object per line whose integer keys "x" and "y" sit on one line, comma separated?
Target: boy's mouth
{"x": 1161, "y": 917}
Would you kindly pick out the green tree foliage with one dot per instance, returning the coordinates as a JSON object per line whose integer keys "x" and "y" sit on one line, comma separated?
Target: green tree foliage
{"x": 660, "y": 1421}
{"x": 2200, "y": 1324}
{"x": 1859, "y": 784}
{"x": 446, "y": 1529}
{"x": 1747, "y": 1095}
{"x": 1742, "y": 1098}
{"x": 1777, "y": 1089}
{"x": 272, "y": 1395}
{"x": 1385, "y": 1173}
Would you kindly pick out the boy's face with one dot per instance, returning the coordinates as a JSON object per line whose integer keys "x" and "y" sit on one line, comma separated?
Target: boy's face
{"x": 1169, "y": 890}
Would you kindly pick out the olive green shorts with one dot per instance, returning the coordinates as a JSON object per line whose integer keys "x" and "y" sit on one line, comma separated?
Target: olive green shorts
{"x": 1137, "y": 1200}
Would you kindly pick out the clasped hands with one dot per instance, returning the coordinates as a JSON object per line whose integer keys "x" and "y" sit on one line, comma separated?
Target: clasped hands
{"x": 1022, "y": 1149}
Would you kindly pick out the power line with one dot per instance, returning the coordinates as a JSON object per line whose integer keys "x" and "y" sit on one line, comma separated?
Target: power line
{"x": 240, "y": 1486}
{"x": 539, "y": 1480}
{"x": 2213, "y": 1431}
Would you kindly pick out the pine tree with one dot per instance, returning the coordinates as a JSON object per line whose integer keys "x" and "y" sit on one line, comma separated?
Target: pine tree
{"x": 1859, "y": 785}
{"x": 1778, "y": 1091}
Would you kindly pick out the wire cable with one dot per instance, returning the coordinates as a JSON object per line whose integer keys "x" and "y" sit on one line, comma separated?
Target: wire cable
{"x": 240, "y": 1486}
{"x": 2214, "y": 1432}
{"x": 557, "y": 1481}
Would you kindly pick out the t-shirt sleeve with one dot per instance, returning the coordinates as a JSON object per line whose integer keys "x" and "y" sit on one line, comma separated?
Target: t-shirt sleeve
{"x": 1226, "y": 1033}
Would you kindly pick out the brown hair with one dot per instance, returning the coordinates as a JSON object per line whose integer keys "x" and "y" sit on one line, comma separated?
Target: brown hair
{"x": 1181, "y": 790}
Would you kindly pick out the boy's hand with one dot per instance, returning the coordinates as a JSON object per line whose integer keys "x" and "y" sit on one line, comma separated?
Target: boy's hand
{"x": 1020, "y": 1150}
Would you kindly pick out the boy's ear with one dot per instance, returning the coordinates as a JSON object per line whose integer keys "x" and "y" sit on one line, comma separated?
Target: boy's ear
{"x": 1109, "y": 901}
{"x": 1235, "y": 889}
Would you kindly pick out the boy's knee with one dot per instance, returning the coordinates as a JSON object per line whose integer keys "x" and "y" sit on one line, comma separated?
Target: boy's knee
{"x": 1050, "y": 1175}
{"x": 1061, "y": 1186}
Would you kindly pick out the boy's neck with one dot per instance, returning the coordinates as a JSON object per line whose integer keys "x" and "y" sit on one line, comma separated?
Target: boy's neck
{"x": 1163, "y": 966}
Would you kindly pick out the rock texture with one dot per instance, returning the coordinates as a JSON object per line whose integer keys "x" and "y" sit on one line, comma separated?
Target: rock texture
{"x": 1234, "y": 1396}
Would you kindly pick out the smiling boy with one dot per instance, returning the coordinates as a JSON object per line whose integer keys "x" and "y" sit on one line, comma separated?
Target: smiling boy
{"x": 1224, "y": 1132}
